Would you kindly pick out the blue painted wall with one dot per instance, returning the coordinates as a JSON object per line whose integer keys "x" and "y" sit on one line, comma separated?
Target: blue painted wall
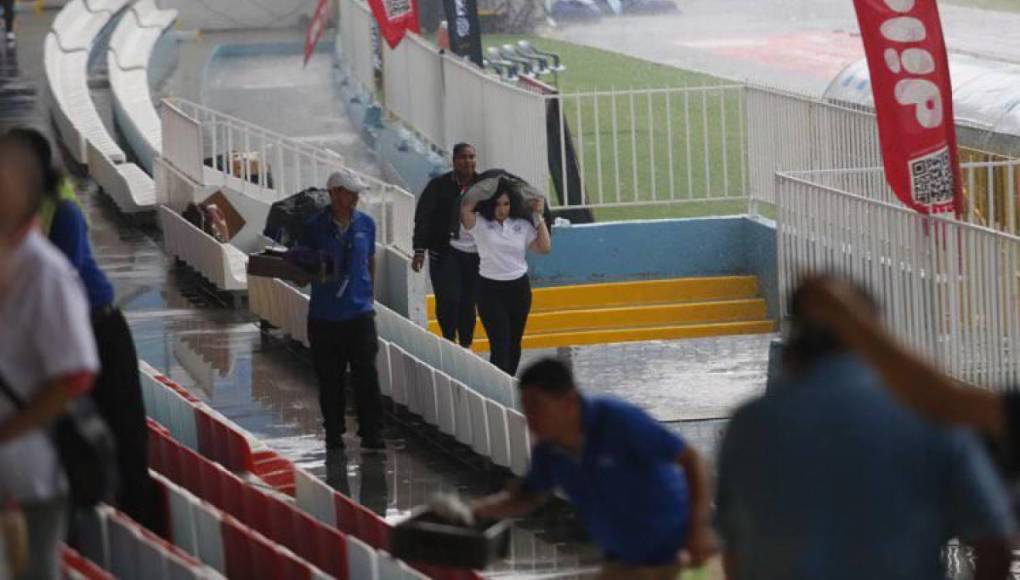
{"x": 642, "y": 250}
{"x": 762, "y": 259}
{"x": 648, "y": 250}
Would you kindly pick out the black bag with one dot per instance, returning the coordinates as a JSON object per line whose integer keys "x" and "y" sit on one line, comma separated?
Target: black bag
{"x": 86, "y": 447}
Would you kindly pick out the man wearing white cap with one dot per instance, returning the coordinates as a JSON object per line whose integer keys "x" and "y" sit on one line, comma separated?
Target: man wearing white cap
{"x": 341, "y": 316}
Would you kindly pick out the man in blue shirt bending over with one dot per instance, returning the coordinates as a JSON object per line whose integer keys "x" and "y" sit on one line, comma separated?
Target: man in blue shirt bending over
{"x": 641, "y": 492}
{"x": 829, "y": 477}
{"x": 341, "y": 315}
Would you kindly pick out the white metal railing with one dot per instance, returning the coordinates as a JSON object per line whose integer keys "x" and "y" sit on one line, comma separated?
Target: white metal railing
{"x": 218, "y": 149}
{"x": 948, "y": 288}
{"x": 654, "y": 146}
{"x": 789, "y": 132}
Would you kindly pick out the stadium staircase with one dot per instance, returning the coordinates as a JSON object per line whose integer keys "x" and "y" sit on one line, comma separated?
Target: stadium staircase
{"x": 637, "y": 311}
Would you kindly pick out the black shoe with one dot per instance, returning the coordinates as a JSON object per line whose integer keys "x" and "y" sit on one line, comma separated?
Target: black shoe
{"x": 373, "y": 443}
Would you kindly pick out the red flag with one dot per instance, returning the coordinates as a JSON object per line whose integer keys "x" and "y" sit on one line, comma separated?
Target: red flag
{"x": 315, "y": 29}
{"x": 395, "y": 18}
{"x": 913, "y": 99}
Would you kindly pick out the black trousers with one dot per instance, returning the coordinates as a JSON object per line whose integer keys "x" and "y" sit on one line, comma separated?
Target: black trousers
{"x": 504, "y": 308}
{"x": 8, "y": 14}
{"x": 118, "y": 395}
{"x": 454, "y": 277}
{"x": 335, "y": 346}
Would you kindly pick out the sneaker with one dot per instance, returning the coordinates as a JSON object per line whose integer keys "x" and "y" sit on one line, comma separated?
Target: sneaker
{"x": 10, "y": 37}
{"x": 373, "y": 443}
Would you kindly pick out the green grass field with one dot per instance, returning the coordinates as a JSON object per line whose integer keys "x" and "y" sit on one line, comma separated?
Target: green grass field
{"x": 681, "y": 143}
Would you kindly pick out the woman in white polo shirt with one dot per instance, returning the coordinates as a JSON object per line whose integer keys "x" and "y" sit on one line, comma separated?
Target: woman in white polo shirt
{"x": 504, "y": 230}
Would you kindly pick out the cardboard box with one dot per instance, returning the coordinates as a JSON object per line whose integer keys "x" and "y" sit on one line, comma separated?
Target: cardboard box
{"x": 275, "y": 266}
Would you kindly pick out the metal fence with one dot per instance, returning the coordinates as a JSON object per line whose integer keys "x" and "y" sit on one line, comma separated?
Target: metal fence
{"x": 788, "y": 132}
{"x": 948, "y": 288}
{"x": 654, "y": 146}
{"x": 269, "y": 167}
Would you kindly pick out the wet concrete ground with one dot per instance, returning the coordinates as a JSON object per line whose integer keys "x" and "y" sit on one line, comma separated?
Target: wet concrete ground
{"x": 797, "y": 45}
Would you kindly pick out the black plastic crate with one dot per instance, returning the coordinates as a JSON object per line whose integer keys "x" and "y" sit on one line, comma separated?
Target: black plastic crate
{"x": 425, "y": 537}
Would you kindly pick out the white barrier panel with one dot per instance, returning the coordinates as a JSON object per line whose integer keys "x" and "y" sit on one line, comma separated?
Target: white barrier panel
{"x": 947, "y": 288}
{"x": 520, "y": 442}
{"x": 479, "y": 423}
{"x": 221, "y": 264}
{"x": 462, "y": 413}
{"x": 413, "y": 78}
{"x": 168, "y": 408}
{"x": 356, "y": 26}
{"x": 477, "y": 108}
{"x": 499, "y": 442}
{"x": 382, "y": 363}
{"x": 182, "y": 141}
{"x": 362, "y": 560}
{"x": 444, "y": 404}
{"x": 314, "y": 497}
{"x": 427, "y": 394}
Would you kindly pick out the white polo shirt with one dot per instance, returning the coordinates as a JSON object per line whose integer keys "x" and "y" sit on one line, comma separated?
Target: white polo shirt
{"x": 465, "y": 242}
{"x": 503, "y": 248}
{"x": 45, "y": 334}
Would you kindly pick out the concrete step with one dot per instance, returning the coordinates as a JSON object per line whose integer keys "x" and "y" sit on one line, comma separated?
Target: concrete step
{"x": 672, "y": 332}
{"x": 620, "y": 317}
{"x": 645, "y": 292}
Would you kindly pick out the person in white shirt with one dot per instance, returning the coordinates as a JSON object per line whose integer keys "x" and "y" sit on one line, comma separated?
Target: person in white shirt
{"x": 503, "y": 232}
{"x": 47, "y": 358}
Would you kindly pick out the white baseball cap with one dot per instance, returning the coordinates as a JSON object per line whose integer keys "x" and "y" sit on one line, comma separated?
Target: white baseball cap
{"x": 346, "y": 179}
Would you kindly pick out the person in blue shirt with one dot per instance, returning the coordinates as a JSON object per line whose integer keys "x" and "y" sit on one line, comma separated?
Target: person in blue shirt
{"x": 827, "y": 476}
{"x": 117, "y": 390}
{"x": 341, "y": 315}
{"x": 640, "y": 491}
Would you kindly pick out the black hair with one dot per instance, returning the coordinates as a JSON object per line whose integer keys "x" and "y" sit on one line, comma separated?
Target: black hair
{"x": 809, "y": 341}
{"x": 460, "y": 147}
{"x": 487, "y": 208}
{"x": 548, "y": 375}
{"x": 38, "y": 145}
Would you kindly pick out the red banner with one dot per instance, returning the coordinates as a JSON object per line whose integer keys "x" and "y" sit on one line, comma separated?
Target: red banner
{"x": 315, "y": 29}
{"x": 914, "y": 101}
{"x": 395, "y": 18}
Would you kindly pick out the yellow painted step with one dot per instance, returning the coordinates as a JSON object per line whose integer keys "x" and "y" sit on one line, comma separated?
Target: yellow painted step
{"x": 556, "y": 340}
{"x": 636, "y": 293}
{"x": 637, "y": 316}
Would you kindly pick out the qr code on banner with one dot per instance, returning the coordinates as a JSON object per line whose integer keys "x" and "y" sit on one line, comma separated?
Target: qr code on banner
{"x": 931, "y": 178}
{"x": 395, "y": 8}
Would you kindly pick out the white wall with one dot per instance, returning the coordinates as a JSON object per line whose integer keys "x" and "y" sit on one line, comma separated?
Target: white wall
{"x": 230, "y": 14}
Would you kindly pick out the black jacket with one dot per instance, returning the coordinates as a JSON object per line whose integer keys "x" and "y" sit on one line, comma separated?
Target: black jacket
{"x": 437, "y": 217}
